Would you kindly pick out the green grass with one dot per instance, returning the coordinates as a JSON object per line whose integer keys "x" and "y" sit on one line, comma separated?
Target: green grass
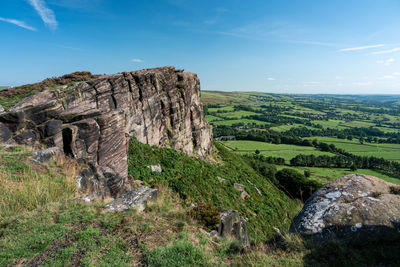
{"x": 196, "y": 181}
{"x": 386, "y": 151}
{"x": 25, "y": 185}
{"x": 181, "y": 253}
{"x": 212, "y": 118}
{"x": 326, "y": 175}
{"x": 273, "y": 150}
{"x": 283, "y": 128}
{"x": 244, "y": 121}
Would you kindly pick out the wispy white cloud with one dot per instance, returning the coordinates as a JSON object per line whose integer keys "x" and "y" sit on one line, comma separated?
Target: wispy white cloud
{"x": 360, "y": 48}
{"x": 386, "y": 51}
{"x": 386, "y": 77}
{"x": 137, "y": 60}
{"x": 396, "y": 74}
{"x": 271, "y": 79}
{"x": 47, "y": 15}
{"x": 367, "y": 83}
{"x": 386, "y": 62}
{"x": 19, "y": 23}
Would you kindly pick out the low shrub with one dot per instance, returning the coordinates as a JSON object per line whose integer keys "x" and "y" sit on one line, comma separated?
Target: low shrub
{"x": 207, "y": 215}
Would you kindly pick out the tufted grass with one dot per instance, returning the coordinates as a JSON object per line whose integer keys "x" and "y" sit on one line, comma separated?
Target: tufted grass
{"x": 26, "y": 185}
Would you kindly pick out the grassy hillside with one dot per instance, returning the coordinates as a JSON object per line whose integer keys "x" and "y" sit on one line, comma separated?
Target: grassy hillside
{"x": 41, "y": 224}
{"x": 196, "y": 181}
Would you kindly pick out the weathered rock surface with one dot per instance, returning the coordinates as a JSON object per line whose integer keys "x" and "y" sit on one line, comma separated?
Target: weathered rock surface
{"x": 5, "y": 133}
{"x": 93, "y": 120}
{"x": 137, "y": 198}
{"x": 233, "y": 225}
{"x": 155, "y": 168}
{"x": 46, "y": 155}
{"x": 354, "y": 207}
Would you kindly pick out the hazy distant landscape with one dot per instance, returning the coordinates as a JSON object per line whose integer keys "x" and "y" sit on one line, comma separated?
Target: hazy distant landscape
{"x": 363, "y": 125}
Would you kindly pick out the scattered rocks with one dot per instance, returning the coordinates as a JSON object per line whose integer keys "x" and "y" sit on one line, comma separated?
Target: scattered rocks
{"x": 244, "y": 194}
{"x": 48, "y": 154}
{"x": 354, "y": 207}
{"x": 258, "y": 191}
{"x": 233, "y": 225}
{"x": 155, "y": 168}
{"x": 239, "y": 187}
{"x": 137, "y": 198}
{"x": 221, "y": 180}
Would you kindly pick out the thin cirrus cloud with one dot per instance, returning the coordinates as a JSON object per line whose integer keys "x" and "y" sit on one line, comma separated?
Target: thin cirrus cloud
{"x": 360, "y": 48}
{"x": 271, "y": 79}
{"x": 386, "y": 51}
{"x": 19, "y": 23}
{"x": 137, "y": 60}
{"x": 45, "y": 13}
{"x": 386, "y": 62}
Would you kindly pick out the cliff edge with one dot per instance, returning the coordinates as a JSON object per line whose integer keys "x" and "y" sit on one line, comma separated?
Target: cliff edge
{"x": 93, "y": 120}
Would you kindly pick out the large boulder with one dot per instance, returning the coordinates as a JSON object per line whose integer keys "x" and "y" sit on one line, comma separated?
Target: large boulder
{"x": 234, "y": 225}
{"x": 137, "y": 198}
{"x": 354, "y": 207}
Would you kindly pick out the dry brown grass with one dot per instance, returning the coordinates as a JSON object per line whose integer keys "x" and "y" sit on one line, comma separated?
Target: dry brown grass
{"x": 26, "y": 185}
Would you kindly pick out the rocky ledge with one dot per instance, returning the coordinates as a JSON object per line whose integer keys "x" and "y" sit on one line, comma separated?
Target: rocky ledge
{"x": 354, "y": 207}
{"x": 93, "y": 120}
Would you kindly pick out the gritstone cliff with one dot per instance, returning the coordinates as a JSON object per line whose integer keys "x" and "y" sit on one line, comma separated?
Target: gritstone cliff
{"x": 93, "y": 120}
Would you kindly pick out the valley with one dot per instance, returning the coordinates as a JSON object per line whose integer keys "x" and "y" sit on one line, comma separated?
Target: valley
{"x": 285, "y": 126}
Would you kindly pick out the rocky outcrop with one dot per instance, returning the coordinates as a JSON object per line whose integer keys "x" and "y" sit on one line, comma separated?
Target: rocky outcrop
{"x": 354, "y": 207}
{"x": 233, "y": 225}
{"x": 93, "y": 120}
{"x": 137, "y": 198}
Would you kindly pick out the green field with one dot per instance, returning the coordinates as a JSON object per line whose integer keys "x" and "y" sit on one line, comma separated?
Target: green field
{"x": 280, "y": 151}
{"x": 244, "y": 121}
{"x": 325, "y": 175}
{"x": 327, "y": 115}
{"x": 386, "y": 151}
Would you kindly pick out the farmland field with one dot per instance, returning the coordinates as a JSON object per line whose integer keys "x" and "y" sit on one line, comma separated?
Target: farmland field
{"x": 285, "y": 126}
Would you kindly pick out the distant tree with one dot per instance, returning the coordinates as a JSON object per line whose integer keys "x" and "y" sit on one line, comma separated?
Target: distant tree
{"x": 353, "y": 167}
{"x": 349, "y": 137}
{"x": 295, "y": 184}
{"x": 307, "y": 173}
{"x": 257, "y": 151}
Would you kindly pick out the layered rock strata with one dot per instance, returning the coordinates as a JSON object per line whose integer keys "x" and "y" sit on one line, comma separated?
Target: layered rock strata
{"x": 93, "y": 120}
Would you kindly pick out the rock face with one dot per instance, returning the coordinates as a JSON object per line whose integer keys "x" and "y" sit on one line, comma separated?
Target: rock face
{"x": 354, "y": 207}
{"x": 93, "y": 120}
{"x": 233, "y": 225}
{"x": 137, "y": 198}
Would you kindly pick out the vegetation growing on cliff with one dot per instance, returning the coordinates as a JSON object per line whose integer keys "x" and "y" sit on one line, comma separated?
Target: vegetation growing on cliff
{"x": 196, "y": 181}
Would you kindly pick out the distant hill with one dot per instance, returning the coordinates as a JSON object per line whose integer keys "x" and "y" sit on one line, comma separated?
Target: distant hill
{"x": 3, "y": 87}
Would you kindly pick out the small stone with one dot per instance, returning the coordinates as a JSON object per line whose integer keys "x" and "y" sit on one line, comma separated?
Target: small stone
{"x": 244, "y": 194}
{"x": 232, "y": 224}
{"x": 221, "y": 180}
{"x": 239, "y": 187}
{"x": 155, "y": 168}
{"x": 46, "y": 155}
{"x": 137, "y": 198}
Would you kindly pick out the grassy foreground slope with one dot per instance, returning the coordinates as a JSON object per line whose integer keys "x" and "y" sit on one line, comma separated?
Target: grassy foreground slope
{"x": 196, "y": 181}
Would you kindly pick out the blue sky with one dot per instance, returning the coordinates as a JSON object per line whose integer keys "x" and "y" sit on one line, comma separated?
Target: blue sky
{"x": 281, "y": 46}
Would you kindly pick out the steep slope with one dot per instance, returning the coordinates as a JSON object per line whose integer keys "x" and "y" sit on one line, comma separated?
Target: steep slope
{"x": 197, "y": 181}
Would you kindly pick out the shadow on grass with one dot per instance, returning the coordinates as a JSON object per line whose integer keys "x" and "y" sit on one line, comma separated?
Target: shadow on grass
{"x": 347, "y": 246}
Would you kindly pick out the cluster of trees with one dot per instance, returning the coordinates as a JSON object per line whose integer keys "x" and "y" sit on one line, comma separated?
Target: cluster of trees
{"x": 347, "y": 161}
{"x": 293, "y": 183}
